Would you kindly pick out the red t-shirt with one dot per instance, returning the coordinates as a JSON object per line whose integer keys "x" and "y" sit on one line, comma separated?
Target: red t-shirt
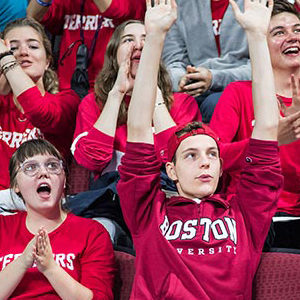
{"x": 233, "y": 120}
{"x": 82, "y": 247}
{"x": 64, "y": 17}
{"x": 50, "y": 116}
{"x": 218, "y": 8}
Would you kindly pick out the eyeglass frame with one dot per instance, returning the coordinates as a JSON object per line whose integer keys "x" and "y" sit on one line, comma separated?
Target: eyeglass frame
{"x": 61, "y": 165}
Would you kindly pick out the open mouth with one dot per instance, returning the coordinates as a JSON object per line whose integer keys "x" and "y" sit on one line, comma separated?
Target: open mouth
{"x": 291, "y": 50}
{"x": 44, "y": 189}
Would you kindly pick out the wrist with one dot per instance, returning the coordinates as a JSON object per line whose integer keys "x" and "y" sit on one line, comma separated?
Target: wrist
{"x": 44, "y": 3}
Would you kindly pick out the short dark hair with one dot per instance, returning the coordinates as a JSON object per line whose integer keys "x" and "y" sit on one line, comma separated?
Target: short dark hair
{"x": 29, "y": 149}
{"x": 281, "y": 6}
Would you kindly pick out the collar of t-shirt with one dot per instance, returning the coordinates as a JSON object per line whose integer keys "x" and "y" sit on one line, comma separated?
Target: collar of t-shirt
{"x": 218, "y": 9}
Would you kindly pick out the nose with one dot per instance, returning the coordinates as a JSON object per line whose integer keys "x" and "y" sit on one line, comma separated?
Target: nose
{"x": 43, "y": 172}
{"x": 139, "y": 44}
{"x": 292, "y": 36}
{"x": 22, "y": 51}
{"x": 204, "y": 162}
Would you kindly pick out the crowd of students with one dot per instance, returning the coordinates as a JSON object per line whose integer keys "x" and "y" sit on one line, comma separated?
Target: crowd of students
{"x": 148, "y": 72}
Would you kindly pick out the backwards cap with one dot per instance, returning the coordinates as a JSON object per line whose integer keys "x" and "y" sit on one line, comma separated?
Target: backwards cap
{"x": 196, "y": 128}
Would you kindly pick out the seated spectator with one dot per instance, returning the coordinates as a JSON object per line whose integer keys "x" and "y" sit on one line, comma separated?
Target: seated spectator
{"x": 30, "y": 104}
{"x": 233, "y": 119}
{"x": 101, "y": 131}
{"x": 45, "y": 252}
{"x": 205, "y": 50}
{"x": 205, "y": 246}
{"x": 11, "y": 10}
{"x": 90, "y": 22}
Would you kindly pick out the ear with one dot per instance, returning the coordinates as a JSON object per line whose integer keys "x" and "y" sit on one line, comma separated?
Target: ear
{"x": 16, "y": 189}
{"x": 221, "y": 167}
{"x": 171, "y": 171}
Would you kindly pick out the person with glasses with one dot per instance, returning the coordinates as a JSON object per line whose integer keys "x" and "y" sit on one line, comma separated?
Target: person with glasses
{"x": 46, "y": 252}
{"x": 31, "y": 105}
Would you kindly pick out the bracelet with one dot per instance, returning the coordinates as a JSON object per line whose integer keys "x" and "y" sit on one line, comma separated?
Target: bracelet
{"x": 42, "y": 3}
{"x": 10, "y": 67}
{"x": 6, "y": 53}
{"x": 4, "y": 66}
{"x": 159, "y": 103}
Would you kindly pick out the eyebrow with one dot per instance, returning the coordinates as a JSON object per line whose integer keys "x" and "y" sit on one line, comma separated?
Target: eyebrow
{"x": 282, "y": 27}
{"x": 29, "y": 40}
{"x": 131, "y": 35}
{"x": 196, "y": 149}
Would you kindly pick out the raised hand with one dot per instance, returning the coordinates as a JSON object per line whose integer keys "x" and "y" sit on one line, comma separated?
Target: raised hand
{"x": 256, "y": 15}
{"x": 160, "y": 16}
{"x": 295, "y": 106}
{"x": 43, "y": 252}
{"x": 124, "y": 81}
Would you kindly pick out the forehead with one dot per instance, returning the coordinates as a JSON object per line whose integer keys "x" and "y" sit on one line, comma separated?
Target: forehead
{"x": 23, "y": 33}
{"x": 199, "y": 142}
{"x": 134, "y": 29}
{"x": 40, "y": 157}
{"x": 284, "y": 19}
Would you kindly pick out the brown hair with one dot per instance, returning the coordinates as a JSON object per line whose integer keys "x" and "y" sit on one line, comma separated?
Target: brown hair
{"x": 50, "y": 79}
{"x": 29, "y": 149}
{"x": 108, "y": 75}
{"x": 281, "y": 6}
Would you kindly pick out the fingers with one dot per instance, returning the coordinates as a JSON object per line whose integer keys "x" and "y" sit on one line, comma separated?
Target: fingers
{"x": 235, "y": 8}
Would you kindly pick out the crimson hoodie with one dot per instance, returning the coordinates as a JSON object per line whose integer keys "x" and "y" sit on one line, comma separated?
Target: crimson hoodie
{"x": 186, "y": 250}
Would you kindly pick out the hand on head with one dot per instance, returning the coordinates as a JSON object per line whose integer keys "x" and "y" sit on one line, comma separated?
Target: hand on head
{"x": 160, "y": 16}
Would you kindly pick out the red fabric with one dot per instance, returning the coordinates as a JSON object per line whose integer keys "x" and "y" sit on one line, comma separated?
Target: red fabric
{"x": 201, "y": 251}
{"x": 277, "y": 277}
{"x": 233, "y": 120}
{"x": 50, "y": 116}
{"x": 124, "y": 276}
{"x": 218, "y": 9}
{"x": 63, "y": 17}
{"x": 175, "y": 141}
{"x": 81, "y": 247}
{"x": 95, "y": 150}
{"x": 297, "y": 6}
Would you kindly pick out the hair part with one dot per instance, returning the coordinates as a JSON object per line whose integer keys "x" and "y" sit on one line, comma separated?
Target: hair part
{"x": 50, "y": 79}
{"x": 106, "y": 78}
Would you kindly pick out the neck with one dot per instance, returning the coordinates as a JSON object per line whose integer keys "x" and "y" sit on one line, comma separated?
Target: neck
{"x": 282, "y": 80}
{"x": 49, "y": 220}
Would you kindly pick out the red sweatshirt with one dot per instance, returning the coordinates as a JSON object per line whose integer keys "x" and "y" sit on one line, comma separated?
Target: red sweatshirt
{"x": 63, "y": 17}
{"x": 97, "y": 151}
{"x": 186, "y": 250}
{"x": 82, "y": 247}
{"x": 233, "y": 120}
{"x": 49, "y": 116}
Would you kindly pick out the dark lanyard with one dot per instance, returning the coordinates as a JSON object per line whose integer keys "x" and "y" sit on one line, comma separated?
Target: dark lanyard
{"x": 93, "y": 44}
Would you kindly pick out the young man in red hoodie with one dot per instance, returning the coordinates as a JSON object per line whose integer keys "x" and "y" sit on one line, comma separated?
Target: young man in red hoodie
{"x": 199, "y": 245}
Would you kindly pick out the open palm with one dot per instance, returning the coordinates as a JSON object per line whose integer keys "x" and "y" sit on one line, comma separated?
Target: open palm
{"x": 160, "y": 16}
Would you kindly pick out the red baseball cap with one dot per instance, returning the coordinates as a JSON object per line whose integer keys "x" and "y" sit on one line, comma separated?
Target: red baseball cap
{"x": 196, "y": 128}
